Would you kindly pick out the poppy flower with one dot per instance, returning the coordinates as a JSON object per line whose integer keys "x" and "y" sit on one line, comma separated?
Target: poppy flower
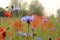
{"x": 3, "y": 33}
{"x": 2, "y": 29}
{"x": 59, "y": 38}
{"x": 37, "y": 22}
{"x": 21, "y": 28}
{"x": 41, "y": 17}
{"x": 35, "y": 15}
{"x": 7, "y": 14}
{"x": 34, "y": 22}
{"x": 16, "y": 24}
{"x": 35, "y": 25}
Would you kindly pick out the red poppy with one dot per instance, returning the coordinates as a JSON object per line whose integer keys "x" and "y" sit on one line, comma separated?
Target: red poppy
{"x": 59, "y": 38}
{"x": 21, "y": 28}
{"x": 35, "y": 15}
{"x": 3, "y": 33}
{"x": 41, "y": 17}
{"x": 36, "y": 23}
{"x": 8, "y": 14}
{"x": 1, "y": 29}
{"x": 16, "y": 24}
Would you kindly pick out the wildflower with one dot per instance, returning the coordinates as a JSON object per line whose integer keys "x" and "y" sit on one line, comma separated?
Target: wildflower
{"x": 38, "y": 38}
{"x": 21, "y": 28}
{"x": 24, "y": 35}
{"x": 20, "y": 33}
{"x": 27, "y": 19}
{"x": 35, "y": 25}
{"x": 16, "y": 24}
{"x": 35, "y": 15}
{"x": 3, "y": 33}
{"x": 32, "y": 29}
{"x": 7, "y": 14}
{"x": 16, "y": 9}
{"x": 45, "y": 20}
{"x": 23, "y": 19}
{"x": 59, "y": 38}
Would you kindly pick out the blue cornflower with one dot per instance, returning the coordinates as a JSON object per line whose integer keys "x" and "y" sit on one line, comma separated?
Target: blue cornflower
{"x": 16, "y": 9}
{"x": 38, "y": 38}
{"x": 27, "y": 18}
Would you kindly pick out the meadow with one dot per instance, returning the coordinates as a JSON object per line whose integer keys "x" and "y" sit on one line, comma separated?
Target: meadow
{"x": 40, "y": 33}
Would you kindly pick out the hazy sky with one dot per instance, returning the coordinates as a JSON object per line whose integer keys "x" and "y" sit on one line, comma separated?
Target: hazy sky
{"x": 50, "y": 5}
{"x": 4, "y": 3}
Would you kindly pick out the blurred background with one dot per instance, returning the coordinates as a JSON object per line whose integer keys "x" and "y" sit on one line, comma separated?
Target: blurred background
{"x": 47, "y": 7}
{"x": 46, "y": 14}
